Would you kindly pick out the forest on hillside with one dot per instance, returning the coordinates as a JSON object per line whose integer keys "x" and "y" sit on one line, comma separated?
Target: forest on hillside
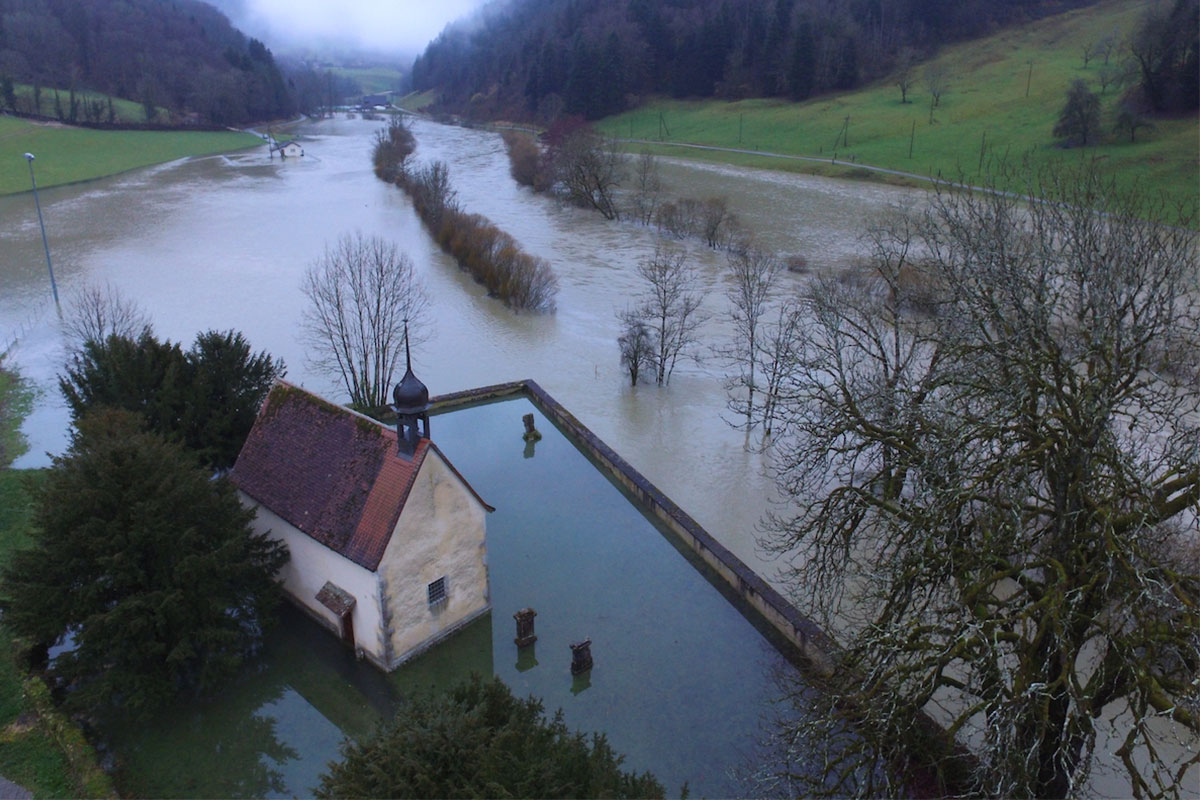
{"x": 536, "y": 59}
{"x": 531, "y": 58}
{"x": 182, "y": 55}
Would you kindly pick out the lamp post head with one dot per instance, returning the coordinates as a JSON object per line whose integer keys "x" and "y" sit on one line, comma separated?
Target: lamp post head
{"x": 29, "y": 156}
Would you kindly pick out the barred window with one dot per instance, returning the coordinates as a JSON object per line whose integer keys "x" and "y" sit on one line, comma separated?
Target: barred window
{"x": 437, "y": 591}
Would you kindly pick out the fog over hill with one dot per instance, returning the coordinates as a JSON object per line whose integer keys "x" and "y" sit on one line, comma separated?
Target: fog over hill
{"x": 388, "y": 29}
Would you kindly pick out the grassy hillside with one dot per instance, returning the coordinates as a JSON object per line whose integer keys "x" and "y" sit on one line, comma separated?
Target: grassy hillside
{"x": 373, "y": 80}
{"x": 985, "y": 108}
{"x": 67, "y": 155}
{"x": 125, "y": 111}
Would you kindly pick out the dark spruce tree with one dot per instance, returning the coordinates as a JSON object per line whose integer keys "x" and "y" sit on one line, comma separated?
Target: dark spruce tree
{"x": 206, "y": 398}
{"x": 478, "y": 740}
{"x": 145, "y": 564}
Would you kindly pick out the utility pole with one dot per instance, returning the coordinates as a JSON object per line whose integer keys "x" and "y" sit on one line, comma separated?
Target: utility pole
{"x": 42, "y": 223}
{"x": 1029, "y": 78}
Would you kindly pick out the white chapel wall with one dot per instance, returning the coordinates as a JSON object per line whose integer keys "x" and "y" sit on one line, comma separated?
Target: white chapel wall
{"x": 440, "y": 533}
{"x": 311, "y": 565}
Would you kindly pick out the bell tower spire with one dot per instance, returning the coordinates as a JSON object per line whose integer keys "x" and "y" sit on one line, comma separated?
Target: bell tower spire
{"x": 411, "y": 404}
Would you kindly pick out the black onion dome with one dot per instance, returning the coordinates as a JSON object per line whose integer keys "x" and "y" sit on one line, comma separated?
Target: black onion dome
{"x": 410, "y": 394}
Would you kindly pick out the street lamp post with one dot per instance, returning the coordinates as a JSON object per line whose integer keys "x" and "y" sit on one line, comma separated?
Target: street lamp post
{"x": 42, "y": 223}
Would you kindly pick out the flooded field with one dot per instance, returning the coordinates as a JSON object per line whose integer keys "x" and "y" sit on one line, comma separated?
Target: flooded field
{"x": 223, "y": 242}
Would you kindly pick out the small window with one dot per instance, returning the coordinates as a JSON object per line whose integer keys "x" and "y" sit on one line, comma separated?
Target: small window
{"x": 437, "y": 592}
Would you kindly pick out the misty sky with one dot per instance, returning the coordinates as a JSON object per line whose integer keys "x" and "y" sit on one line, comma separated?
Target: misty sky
{"x": 387, "y": 25}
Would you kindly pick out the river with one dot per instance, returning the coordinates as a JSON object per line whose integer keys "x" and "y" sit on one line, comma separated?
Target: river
{"x": 222, "y": 242}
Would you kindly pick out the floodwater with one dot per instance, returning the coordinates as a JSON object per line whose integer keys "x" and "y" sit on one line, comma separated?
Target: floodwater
{"x": 682, "y": 682}
{"x": 222, "y": 242}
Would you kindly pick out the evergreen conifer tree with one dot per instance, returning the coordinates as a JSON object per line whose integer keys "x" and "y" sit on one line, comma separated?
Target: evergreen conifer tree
{"x": 480, "y": 741}
{"x": 144, "y": 564}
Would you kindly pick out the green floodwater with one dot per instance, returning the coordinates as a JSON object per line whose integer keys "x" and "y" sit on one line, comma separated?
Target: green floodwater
{"x": 681, "y": 683}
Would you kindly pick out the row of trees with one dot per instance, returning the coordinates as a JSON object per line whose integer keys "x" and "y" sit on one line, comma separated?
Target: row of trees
{"x": 523, "y": 281}
{"x": 577, "y": 164}
{"x": 588, "y": 170}
{"x": 536, "y": 58}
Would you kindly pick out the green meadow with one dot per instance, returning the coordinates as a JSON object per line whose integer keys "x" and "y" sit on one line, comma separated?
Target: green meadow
{"x": 1003, "y": 97}
{"x": 372, "y": 80}
{"x": 66, "y": 154}
{"x": 124, "y": 110}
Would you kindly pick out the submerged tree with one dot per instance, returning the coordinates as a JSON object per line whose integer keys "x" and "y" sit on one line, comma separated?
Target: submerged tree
{"x": 637, "y": 345}
{"x": 147, "y": 563}
{"x": 362, "y": 292}
{"x": 647, "y": 188}
{"x": 670, "y": 309}
{"x": 753, "y": 272}
{"x": 588, "y": 168}
{"x": 478, "y": 740}
{"x": 998, "y": 495}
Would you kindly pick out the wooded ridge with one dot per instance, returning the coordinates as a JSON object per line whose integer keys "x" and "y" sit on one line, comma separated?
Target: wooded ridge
{"x": 539, "y": 58}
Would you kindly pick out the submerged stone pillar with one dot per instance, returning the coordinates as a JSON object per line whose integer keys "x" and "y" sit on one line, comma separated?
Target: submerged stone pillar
{"x": 581, "y": 656}
{"x": 525, "y": 634}
{"x": 531, "y": 433}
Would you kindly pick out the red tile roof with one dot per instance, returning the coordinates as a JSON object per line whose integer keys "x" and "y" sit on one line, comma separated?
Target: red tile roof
{"x": 334, "y": 474}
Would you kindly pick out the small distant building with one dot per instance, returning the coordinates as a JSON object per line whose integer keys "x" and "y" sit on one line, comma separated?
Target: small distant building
{"x": 374, "y": 100}
{"x": 288, "y": 149}
{"x": 386, "y": 537}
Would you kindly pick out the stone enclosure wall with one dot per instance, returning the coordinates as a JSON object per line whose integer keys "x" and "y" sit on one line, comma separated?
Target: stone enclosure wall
{"x": 772, "y": 608}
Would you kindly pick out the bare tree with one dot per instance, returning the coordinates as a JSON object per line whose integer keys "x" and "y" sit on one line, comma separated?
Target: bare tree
{"x": 777, "y": 351}
{"x": 936, "y": 81}
{"x": 1116, "y": 74}
{"x": 997, "y": 504}
{"x": 361, "y": 293}
{"x": 647, "y": 188}
{"x": 753, "y": 273}
{"x": 680, "y": 218}
{"x": 636, "y": 343}
{"x": 717, "y": 223}
{"x": 906, "y": 74}
{"x": 1108, "y": 45}
{"x": 1079, "y": 121}
{"x": 1128, "y": 118}
{"x": 670, "y": 309}
{"x": 589, "y": 168}
{"x": 95, "y": 312}
{"x": 1089, "y": 50}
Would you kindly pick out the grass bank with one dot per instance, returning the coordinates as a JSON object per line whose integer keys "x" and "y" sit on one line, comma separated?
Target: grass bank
{"x": 1004, "y": 96}
{"x": 40, "y": 748}
{"x": 69, "y": 155}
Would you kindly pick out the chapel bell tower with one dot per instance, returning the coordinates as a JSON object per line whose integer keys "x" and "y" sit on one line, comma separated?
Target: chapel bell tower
{"x": 411, "y": 406}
